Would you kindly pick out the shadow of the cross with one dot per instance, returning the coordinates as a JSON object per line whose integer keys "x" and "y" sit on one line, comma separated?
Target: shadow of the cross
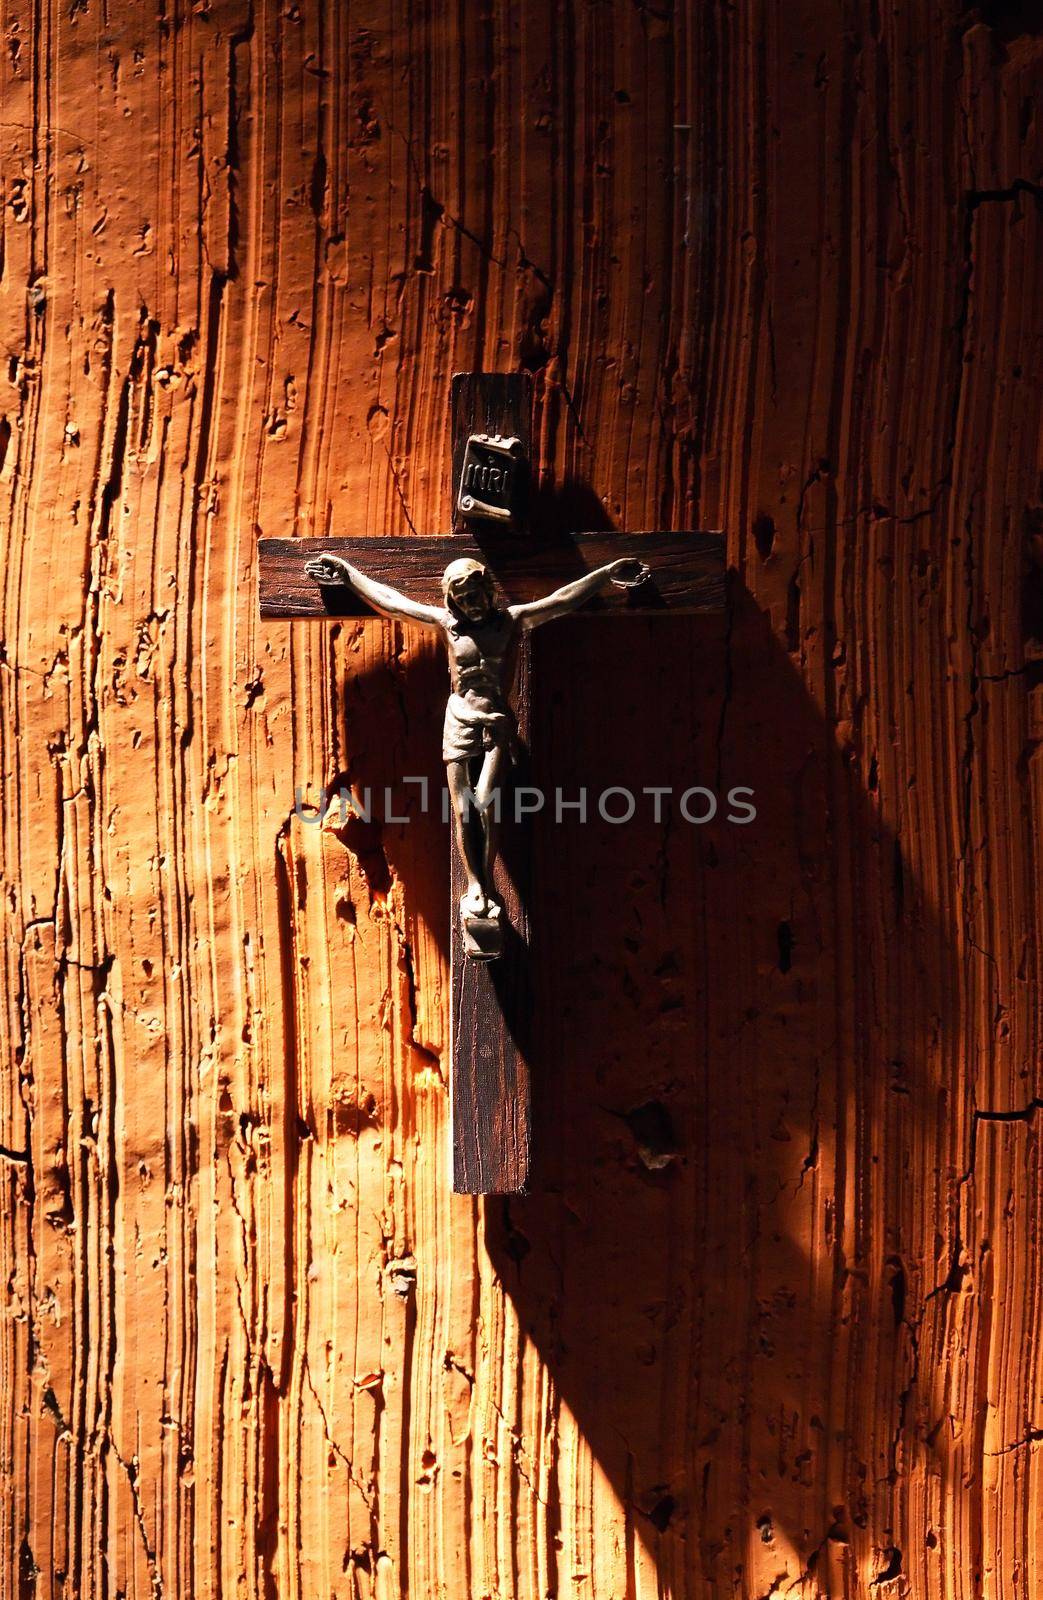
{"x": 739, "y": 1037}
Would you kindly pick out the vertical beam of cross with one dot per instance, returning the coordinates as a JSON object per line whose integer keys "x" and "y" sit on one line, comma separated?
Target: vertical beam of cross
{"x": 491, "y": 1000}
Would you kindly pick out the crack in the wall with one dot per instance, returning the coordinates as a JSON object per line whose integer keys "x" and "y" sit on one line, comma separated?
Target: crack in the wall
{"x": 1033, "y": 1436}
{"x": 132, "y": 1469}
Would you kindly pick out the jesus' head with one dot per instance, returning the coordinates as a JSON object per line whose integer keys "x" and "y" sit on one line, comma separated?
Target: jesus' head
{"x": 468, "y": 589}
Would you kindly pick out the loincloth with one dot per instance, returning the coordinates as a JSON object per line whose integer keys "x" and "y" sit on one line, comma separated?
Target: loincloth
{"x": 466, "y": 732}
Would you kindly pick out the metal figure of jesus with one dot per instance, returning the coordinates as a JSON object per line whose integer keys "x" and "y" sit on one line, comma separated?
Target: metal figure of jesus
{"x": 478, "y": 735}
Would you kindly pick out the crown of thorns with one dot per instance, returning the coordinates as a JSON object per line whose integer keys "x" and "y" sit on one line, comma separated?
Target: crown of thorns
{"x": 457, "y": 573}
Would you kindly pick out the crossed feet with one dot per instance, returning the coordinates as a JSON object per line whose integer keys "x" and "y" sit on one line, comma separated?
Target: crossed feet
{"x": 480, "y": 921}
{"x": 476, "y": 903}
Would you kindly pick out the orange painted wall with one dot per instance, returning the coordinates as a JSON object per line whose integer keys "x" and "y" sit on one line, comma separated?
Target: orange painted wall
{"x": 776, "y": 269}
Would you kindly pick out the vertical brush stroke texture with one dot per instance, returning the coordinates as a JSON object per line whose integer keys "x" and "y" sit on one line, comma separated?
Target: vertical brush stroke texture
{"x": 771, "y": 1323}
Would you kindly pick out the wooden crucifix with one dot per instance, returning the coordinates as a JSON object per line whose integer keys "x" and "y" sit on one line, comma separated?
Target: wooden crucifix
{"x": 450, "y": 584}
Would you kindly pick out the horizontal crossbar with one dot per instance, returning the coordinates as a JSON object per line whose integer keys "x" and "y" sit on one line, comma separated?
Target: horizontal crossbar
{"x": 687, "y": 570}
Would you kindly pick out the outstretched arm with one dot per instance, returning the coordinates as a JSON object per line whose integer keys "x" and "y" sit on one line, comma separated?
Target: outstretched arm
{"x": 627, "y": 573}
{"x": 333, "y": 572}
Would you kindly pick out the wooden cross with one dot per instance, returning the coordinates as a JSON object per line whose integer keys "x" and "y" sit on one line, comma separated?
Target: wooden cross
{"x": 491, "y": 1000}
